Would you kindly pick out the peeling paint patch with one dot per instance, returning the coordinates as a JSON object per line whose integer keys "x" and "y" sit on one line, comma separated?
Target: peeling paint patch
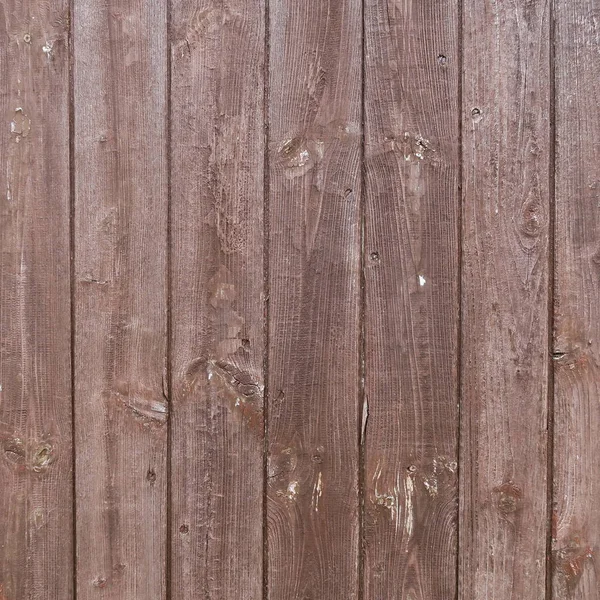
{"x": 300, "y": 154}
{"x": 292, "y": 490}
{"x": 21, "y": 124}
{"x": 570, "y": 562}
{"x": 317, "y": 492}
{"x": 409, "y": 517}
{"x": 365, "y": 418}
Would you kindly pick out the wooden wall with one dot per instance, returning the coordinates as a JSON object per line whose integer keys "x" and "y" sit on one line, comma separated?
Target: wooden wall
{"x": 300, "y": 300}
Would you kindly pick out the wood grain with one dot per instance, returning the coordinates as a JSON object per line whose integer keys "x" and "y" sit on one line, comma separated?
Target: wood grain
{"x": 121, "y": 204}
{"x": 576, "y": 534}
{"x": 412, "y": 173}
{"x": 314, "y": 266}
{"x": 217, "y": 299}
{"x": 36, "y": 504}
{"x": 506, "y": 154}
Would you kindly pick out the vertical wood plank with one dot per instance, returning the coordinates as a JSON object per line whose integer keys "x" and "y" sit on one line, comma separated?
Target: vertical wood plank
{"x": 217, "y": 299}
{"x": 120, "y": 297}
{"x": 576, "y": 520}
{"x": 35, "y": 367}
{"x": 411, "y": 318}
{"x": 314, "y": 265}
{"x": 506, "y": 153}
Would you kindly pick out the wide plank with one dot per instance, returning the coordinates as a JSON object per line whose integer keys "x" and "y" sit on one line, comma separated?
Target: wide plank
{"x": 314, "y": 121}
{"x": 576, "y": 346}
{"x": 217, "y": 299}
{"x": 412, "y": 210}
{"x": 36, "y": 491}
{"x": 505, "y": 292}
{"x": 120, "y": 293}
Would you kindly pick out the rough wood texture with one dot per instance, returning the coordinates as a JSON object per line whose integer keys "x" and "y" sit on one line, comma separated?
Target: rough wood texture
{"x": 217, "y": 299}
{"x": 36, "y": 504}
{"x": 314, "y": 257}
{"x": 121, "y": 206}
{"x": 411, "y": 318}
{"x": 506, "y": 148}
{"x": 576, "y": 520}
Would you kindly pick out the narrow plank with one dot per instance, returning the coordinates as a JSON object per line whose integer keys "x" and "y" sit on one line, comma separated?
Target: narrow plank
{"x": 121, "y": 206}
{"x": 314, "y": 285}
{"x": 36, "y": 552}
{"x": 314, "y": 266}
{"x": 217, "y": 299}
{"x": 576, "y": 520}
{"x": 412, "y": 213}
{"x": 506, "y": 154}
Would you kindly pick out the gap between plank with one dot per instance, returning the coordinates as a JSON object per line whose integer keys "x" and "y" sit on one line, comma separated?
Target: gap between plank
{"x": 459, "y": 331}
{"x": 266, "y": 294}
{"x": 168, "y": 376}
{"x": 551, "y": 282}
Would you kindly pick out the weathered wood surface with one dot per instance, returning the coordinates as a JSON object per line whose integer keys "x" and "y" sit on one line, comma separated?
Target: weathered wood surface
{"x": 411, "y": 315}
{"x": 36, "y": 508}
{"x": 217, "y": 299}
{"x": 314, "y": 120}
{"x": 120, "y": 296}
{"x": 505, "y": 337}
{"x": 576, "y": 517}
{"x": 307, "y": 364}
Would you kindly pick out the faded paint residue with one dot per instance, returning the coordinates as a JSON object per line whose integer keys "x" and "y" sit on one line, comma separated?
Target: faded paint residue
{"x": 439, "y": 476}
{"x": 239, "y": 390}
{"x": 228, "y": 322}
{"x": 508, "y": 498}
{"x": 281, "y": 462}
{"x": 389, "y": 500}
{"x": 415, "y": 147}
{"x": 149, "y": 406}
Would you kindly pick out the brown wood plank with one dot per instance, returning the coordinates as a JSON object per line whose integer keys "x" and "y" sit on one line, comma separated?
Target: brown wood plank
{"x": 314, "y": 284}
{"x": 411, "y": 317}
{"x": 121, "y": 207}
{"x": 506, "y": 154}
{"x": 36, "y": 501}
{"x": 217, "y": 299}
{"x": 576, "y": 350}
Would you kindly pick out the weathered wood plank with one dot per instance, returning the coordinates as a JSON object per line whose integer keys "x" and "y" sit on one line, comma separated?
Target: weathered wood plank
{"x": 121, "y": 203}
{"x": 217, "y": 299}
{"x": 314, "y": 265}
{"x": 36, "y": 504}
{"x": 411, "y": 318}
{"x": 506, "y": 154}
{"x": 576, "y": 520}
